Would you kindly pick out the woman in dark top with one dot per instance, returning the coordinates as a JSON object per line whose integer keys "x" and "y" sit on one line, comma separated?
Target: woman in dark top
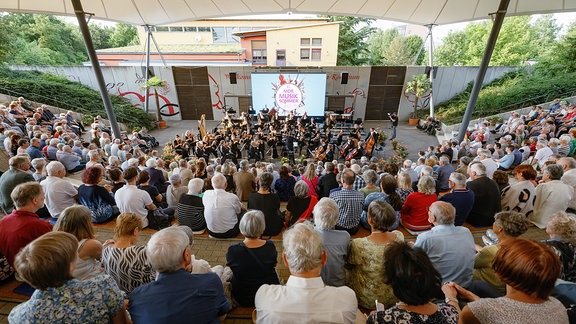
{"x": 155, "y": 195}
{"x": 285, "y": 185}
{"x": 98, "y": 199}
{"x": 301, "y": 203}
{"x": 116, "y": 178}
{"x": 252, "y": 261}
{"x": 269, "y": 203}
{"x": 191, "y": 208}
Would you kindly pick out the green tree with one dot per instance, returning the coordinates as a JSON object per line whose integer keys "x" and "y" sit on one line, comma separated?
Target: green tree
{"x": 354, "y": 31}
{"x": 398, "y": 53}
{"x": 414, "y": 44}
{"x": 378, "y": 41}
{"x": 562, "y": 57}
{"x": 124, "y": 35}
{"x": 101, "y": 35}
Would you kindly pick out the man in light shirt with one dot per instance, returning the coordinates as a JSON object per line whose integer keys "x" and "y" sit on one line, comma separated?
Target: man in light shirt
{"x": 59, "y": 192}
{"x": 222, "y": 209}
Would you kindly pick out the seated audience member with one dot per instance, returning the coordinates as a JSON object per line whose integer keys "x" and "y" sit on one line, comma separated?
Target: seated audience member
{"x": 253, "y": 261}
{"x": 175, "y": 191}
{"x": 486, "y": 196}
{"x": 99, "y": 199}
{"x": 450, "y": 248}
{"x": 71, "y": 161}
{"x": 177, "y": 296}
{"x": 568, "y": 165}
{"x": 156, "y": 175}
{"x": 414, "y": 213}
{"x": 388, "y": 194}
{"x": 461, "y": 198}
{"x": 507, "y": 226}
{"x": 300, "y": 206}
{"x": 38, "y": 164}
{"x": 404, "y": 185}
{"x": 507, "y": 161}
{"x": 529, "y": 283}
{"x": 519, "y": 197}
{"x": 190, "y": 208}
{"x": 444, "y": 171}
{"x": 222, "y": 210}
{"x": 130, "y": 199}
{"x": 328, "y": 181}
{"x": 284, "y": 186}
{"x": 335, "y": 242}
{"x": 144, "y": 184}
{"x": 311, "y": 179}
{"x": 22, "y": 226}
{"x": 364, "y": 265}
{"x": 370, "y": 177}
{"x": 77, "y": 221}
{"x": 552, "y": 195}
{"x": 17, "y": 174}
{"x": 415, "y": 283}
{"x": 562, "y": 230}
{"x": 350, "y": 203}
{"x": 305, "y": 298}
{"x": 59, "y": 192}
{"x": 116, "y": 179}
{"x": 269, "y": 203}
{"x": 46, "y": 264}
{"x": 244, "y": 181}
{"x": 125, "y": 261}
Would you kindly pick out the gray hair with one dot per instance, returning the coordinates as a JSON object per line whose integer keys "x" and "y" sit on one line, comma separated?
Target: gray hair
{"x": 370, "y": 176}
{"x": 426, "y": 170}
{"x": 303, "y": 248}
{"x": 270, "y": 168}
{"x": 195, "y": 186}
{"x": 113, "y": 160}
{"x": 219, "y": 181}
{"x": 555, "y": 171}
{"x": 444, "y": 212}
{"x": 165, "y": 249}
{"x": 301, "y": 189}
{"x": 38, "y": 163}
{"x": 243, "y": 164}
{"x": 151, "y": 163}
{"x": 175, "y": 179}
{"x": 266, "y": 180}
{"x": 427, "y": 185}
{"x": 252, "y": 224}
{"x": 478, "y": 168}
{"x": 458, "y": 178}
{"x": 54, "y": 167}
{"x": 569, "y": 162}
{"x": 93, "y": 153}
{"x": 444, "y": 159}
{"x": 18, "y": 160}
{"x": 326, "y": 214}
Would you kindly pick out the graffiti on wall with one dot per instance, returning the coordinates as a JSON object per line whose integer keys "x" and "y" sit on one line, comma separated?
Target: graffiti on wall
{"x": 218, "y": 104}
{"x": 356, "y": 92}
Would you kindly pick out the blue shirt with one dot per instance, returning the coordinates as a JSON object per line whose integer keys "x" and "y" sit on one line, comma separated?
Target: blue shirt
{"x": 179, "y": 297}
{"x": 462, "y": 200}
{"x": 451, "y": 250}
{"x": 34, "y": 152}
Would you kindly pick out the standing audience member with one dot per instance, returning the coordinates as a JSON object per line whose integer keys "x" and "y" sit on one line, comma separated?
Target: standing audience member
{"x": 335, "y": 242}
{"x": 177, "y": 296}
{"x": 552, "y": 195}
{"x": 47, "y": 264}
{"x": 365, "y": 266}
{"x": 305, "y": 298}
{"x": 253, "y": 261}
{"x": 244, "y": 181}
{"x": 450, "y": 248}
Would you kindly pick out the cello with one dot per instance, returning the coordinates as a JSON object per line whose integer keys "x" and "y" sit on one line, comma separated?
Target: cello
{"x": 370, "y": 145}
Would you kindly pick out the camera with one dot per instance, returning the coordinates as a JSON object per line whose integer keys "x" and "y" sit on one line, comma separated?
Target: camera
{"x": 388, "y": 114}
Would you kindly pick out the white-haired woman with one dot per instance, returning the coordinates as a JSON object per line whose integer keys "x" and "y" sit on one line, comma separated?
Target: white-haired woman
{"x": 562, "y": 230}
{"x": 300, "y": 206}
{"x": 253, "y": 261}
{"x": 190, "y": 208}
{"x": 335, "y": 242}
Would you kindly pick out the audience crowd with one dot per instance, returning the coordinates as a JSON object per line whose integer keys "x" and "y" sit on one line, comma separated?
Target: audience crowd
{"x": 504, "y": 178}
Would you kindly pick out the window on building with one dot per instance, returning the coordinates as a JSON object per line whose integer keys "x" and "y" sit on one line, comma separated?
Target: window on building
{"x": 177, "y": 29}
{"x": 316, "y": 41}
{"x": 204, "y": 29}
{"x": 304, "y": 41}
{"x": 259, "y": 55}
{"x": 304, "y": 54}
{"x": 316, "y": 54}
{"x": 190, "y": 29}
{"x": 162, "y": 29}
{"x": 219, "y": 35}
{"x": 230, "y": 38}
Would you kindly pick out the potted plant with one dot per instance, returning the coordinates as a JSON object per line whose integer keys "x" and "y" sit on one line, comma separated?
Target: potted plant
{"x": 155, "y": 83}
{"x": 417, "y": 88}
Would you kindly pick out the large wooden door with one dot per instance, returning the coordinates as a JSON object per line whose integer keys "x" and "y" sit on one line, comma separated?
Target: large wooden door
{"x": 193, "y": 89}
{"x": 385, "y": 91}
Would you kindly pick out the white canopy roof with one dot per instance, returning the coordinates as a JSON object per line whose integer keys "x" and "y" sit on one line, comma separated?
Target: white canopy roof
{"x": 160, "y": 12}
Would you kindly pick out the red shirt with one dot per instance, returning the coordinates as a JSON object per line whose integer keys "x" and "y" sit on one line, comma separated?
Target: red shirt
{"x": 414, "y": 213}
{"x": 17, "y": 230}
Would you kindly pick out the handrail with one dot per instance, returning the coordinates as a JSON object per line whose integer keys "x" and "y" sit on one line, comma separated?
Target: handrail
{"x": 532, "y": 101}
{"x": 45, "y": 99}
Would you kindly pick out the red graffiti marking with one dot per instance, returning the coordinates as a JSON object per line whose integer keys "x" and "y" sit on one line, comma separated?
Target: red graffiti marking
{"x": 219, "y": 104}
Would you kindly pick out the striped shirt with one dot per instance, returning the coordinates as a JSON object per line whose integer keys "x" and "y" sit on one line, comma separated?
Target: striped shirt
{"x": 190, "y": 211}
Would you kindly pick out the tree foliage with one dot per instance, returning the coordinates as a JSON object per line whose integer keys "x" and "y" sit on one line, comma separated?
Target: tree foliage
{"x": 354, "y": 31}
{"x": 519, "y": 41}
{"x": 388, "y": 47}
{"x": 28, "y": 39}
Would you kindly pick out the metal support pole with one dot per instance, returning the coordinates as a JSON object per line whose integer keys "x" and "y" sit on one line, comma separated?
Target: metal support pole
{"x": 147, "y": 91}
{"x": 431, "y": 63}
{"x": 80, "y": 15}
{"x": 500, "y": 14}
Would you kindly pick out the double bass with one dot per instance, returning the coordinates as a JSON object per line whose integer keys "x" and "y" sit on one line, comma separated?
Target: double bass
{"x": 369, "y": 147}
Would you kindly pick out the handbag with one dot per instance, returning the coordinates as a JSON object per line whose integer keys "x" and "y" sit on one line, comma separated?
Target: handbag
{"x": 158, "y": 220}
